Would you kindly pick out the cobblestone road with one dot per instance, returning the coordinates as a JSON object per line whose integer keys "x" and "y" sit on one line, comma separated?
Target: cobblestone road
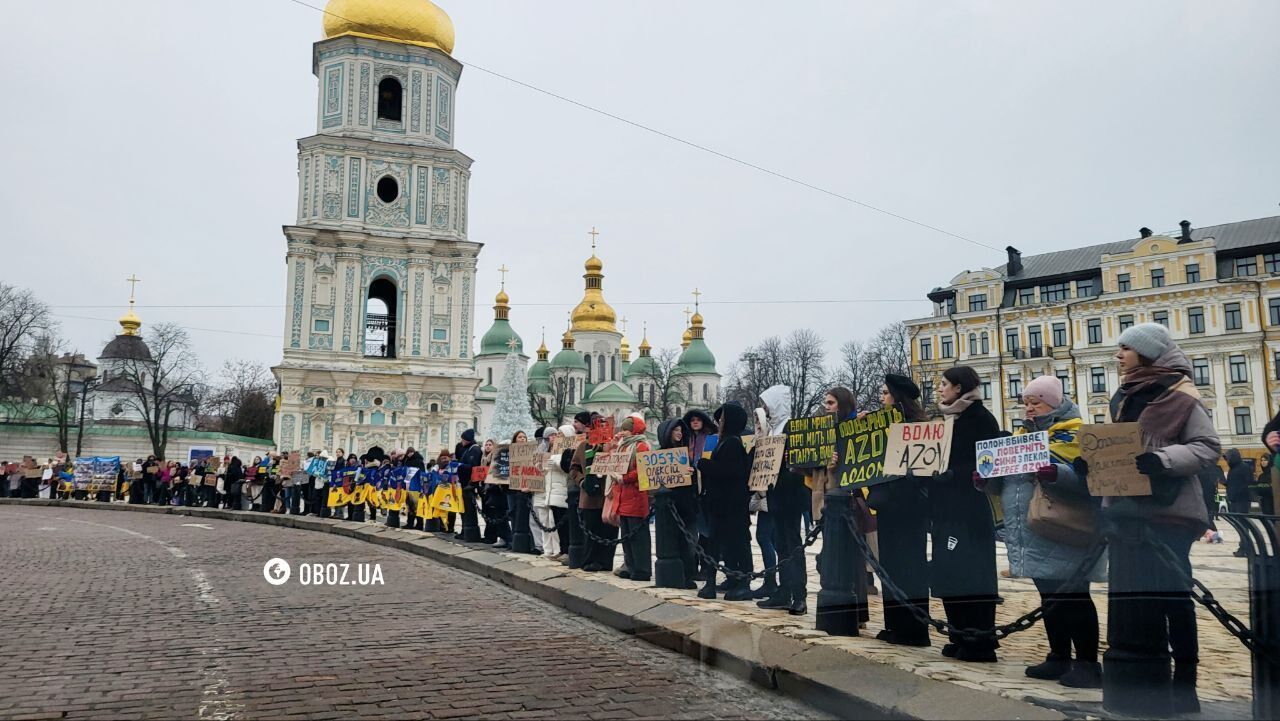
{"x": 126, "y": 615}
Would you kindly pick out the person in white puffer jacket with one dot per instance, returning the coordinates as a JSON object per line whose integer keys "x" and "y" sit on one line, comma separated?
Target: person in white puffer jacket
{"x": 551, "y": 506}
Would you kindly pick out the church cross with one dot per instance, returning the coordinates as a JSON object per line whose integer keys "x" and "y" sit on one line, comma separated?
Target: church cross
{"x": 593, "y": 235}
{"x": 133, "y": 280}
{"x": 696, "y": 295}
{"x": 687, "y": 313}
{"x": 504, "y": 270}
{"x": 623, "y": 320}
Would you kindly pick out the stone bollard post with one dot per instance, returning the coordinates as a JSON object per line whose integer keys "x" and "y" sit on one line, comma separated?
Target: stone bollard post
{"x": 1135, "y": 668}
{"x": 577, "y": 540}
{"x": 668, "y": 569}
{"x": 519, "y": 504}
{"x": 841, "y": 560}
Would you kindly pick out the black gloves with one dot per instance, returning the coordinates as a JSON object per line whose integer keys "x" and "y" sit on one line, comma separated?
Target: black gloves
{"x": 1149, "y": 464}
{"x": 1081, "y": 466}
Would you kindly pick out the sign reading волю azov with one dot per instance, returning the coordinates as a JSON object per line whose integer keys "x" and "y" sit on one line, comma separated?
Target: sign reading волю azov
{"x": 862, "y": 443}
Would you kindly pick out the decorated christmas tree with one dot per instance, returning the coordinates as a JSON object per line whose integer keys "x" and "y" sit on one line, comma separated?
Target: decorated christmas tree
{"x": 511, "y": 410}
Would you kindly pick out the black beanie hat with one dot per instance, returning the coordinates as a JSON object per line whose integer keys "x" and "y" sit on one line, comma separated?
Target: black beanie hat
{"x": 583, "y": 417}
{"x": 902, "y": 387}
{"x": 469, "y": 435}
{"x": 538, "y": 433}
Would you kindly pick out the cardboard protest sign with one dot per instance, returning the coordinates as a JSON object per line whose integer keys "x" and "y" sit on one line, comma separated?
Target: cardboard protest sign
{"x": 665, "y": 468}
{"x": 290, "y": 465}
{"x": 500, "y": 467}
{"x": 601, "y": 431}
{"x": 612, "y": 463}
{"x": 811, "y": 442}
{"x": 862, "y": 445}
{"x": 918, "y": 448}
{"x": 526, "y": 468}
{"x": 1012, "y": 455}
{"x": 563, "y": 443}
{"x": 770, "y": 452}
{"x": 1109, "y": 449}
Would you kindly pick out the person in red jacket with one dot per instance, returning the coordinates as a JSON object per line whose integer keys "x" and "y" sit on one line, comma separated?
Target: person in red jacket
{"x": 633, "y": 506}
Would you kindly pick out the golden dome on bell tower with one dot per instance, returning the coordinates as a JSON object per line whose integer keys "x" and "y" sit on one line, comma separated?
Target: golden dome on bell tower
{"x": 416, "y": 22}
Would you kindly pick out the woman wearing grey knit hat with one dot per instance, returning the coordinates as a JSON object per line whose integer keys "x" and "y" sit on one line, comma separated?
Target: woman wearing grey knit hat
{"x": 1156, "y": 392}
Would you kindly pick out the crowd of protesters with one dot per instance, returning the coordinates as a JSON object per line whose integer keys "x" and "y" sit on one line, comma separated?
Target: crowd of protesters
{"x": 932, "y": 535}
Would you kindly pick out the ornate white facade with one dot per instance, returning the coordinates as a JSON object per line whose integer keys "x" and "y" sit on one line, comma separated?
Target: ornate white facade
{"x": 378, "y": 319}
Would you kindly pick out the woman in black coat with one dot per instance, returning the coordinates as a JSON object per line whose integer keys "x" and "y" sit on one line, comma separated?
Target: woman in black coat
{"x": 902, "y": 521}
{"x": 684, "y": 500}
{"x": 726, "y": 504}
{"x": 963, "y": 570}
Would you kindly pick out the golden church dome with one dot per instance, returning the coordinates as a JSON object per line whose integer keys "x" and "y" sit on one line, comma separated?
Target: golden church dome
{"x": 593, "y": 313}
{"x": 417, "y": 22}
{"x": 502, "y": 298}
{"x": 130, "y": 322}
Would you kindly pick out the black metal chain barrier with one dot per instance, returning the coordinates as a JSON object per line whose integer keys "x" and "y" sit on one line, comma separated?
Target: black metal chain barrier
{"x": 692, "y": 538}
{"x": 601, "y": 540}
{"x": 548, "y": 529}
{"x": 506, "y": 516}
{"x": 1202, "y": 595}
{"x": 971, "y": 635}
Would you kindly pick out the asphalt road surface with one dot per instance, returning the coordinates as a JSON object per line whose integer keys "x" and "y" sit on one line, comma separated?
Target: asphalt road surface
{"x": 132, "y": 615}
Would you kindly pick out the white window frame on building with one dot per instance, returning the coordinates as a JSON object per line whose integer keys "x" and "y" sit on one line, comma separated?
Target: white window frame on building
{"x": 1201, "y": 372}
{"x": 926, "y": 349}
{"x": 1239, "y": 368}
{"x": 977, "y": 301}
{"x": 1015, "y": 385}
{"x": 1233, "y": 317}
{"x": 1124, "y": 283}
{"x": 1161, "y": 317}
{"x": 948, "y": 347}
{"x": 1157, "y": 277}
{"x": 1094, "y": 329}
{"x": 1193, "y": 272}
{"x": 1059, "y": 335}
{"x": 1195, "y": 319}
{"x": 1243, "y": 419}
{"x": 1096, "y": 374}
{"x": 1126, "y": 322}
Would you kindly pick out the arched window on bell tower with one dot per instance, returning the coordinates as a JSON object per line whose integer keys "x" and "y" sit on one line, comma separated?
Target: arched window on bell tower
{"x": 390, "y": 99}
{"x": 380, "y": 320}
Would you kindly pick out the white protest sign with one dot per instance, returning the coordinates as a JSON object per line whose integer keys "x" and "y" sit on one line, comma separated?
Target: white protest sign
{"x": 1011, "y": 455}
{"x": 918, "y": 448}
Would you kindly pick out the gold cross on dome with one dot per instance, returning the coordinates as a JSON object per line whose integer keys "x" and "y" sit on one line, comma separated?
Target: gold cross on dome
{"x": 623, "y": 321}
{"x": 687, "y": 313}
{"x": 133, "y": 281}
{"x": 696, "y": 295}
{"x": 504, "y": 270}
{"x": 593, "y": 235}
{"x": 512, "y": 343}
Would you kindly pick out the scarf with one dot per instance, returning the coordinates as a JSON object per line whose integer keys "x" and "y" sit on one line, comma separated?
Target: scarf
{"x": 1146, "y": 397}
{"x": 1062, "y": 424}
{"x": 961, "y": 404}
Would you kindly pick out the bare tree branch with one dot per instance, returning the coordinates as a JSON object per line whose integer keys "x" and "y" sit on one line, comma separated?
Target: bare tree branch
{"x": 23, "y": 318}
{"x": 163, "y": 387}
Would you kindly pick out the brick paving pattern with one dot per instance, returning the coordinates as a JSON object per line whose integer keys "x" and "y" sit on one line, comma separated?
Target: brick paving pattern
{"x": 1225, "y": 666}
{"x": 132, "y": 616}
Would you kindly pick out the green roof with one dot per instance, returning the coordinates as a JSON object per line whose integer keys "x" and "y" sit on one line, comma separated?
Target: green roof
{"x": 487, "y": 389}
{"x": 568, "y": 358}
{"x": 697, "y": 358}
{"x": 495, "y": 341}
{"x": 639, "y": 367}
{"x": 611, "y": 392}
{"x": 539, "y": 370}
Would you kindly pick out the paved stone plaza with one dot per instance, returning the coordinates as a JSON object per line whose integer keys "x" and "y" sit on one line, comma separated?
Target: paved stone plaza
{"x": 224, "y": 621}
{"x": 133, "y": 616}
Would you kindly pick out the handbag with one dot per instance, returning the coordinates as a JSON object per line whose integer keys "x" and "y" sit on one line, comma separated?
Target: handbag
{"x": 1072, "y": 524}
{"x": 612, "y": 503}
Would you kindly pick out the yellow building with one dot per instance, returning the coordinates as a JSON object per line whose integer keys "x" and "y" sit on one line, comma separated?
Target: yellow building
{"x": 1217, "y": 289}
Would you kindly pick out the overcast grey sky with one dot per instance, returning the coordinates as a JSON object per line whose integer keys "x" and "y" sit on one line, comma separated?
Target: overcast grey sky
{"x": 157, "y": 137}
